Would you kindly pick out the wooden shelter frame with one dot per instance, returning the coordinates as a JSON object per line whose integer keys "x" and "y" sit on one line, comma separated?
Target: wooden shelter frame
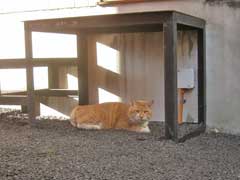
{"x": 167, "y": 21}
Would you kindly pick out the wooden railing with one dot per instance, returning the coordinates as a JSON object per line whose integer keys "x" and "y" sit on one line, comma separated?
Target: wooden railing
{"x": 20, "y": 97}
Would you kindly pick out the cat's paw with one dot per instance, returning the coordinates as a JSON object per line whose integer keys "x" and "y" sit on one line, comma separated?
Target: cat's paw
{"x": 89, "y": 126}
{"x": 145, "y": 130}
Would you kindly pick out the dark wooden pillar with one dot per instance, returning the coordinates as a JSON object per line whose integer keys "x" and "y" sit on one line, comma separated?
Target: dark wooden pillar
{"x": 170, "y": 73}
{"x": 82, "y": 48}
{"x": 202, "y": 76}
{"x": 30, "y": 82}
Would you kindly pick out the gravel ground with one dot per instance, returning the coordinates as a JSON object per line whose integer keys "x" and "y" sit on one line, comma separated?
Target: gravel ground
{"x": 55, "y": 150}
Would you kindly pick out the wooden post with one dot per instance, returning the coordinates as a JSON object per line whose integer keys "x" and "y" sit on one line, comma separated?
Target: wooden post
{"x": 30, "y": 83}
{"x": 53, "y": 77}
{"x": 82, "y": 48}
{"x": 202, "y": 76}
{"x": 24, "y": 109}
{"x": 170, "y": 74}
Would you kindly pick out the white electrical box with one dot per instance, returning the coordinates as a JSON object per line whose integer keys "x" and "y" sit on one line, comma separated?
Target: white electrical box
{"x": 186, "y": 78}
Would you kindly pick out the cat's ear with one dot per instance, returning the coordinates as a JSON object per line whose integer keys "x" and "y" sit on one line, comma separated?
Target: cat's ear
{"x": 151, "y": 103}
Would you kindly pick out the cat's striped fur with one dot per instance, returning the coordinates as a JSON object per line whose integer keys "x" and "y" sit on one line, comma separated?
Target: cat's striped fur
{"x": 113, "y": 115}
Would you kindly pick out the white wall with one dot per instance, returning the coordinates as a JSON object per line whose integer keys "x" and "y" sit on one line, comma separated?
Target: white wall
{"x": 223, "y": 48}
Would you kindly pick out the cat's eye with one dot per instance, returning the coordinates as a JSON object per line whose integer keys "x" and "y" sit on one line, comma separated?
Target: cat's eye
{"x": 137, "y": 111}
{"x": 145, "y": 111}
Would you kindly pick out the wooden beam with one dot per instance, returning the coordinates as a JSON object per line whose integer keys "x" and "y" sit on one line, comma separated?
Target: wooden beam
{"x": 46, "y": 92}
{"x": 12, "y": 63}
{"x": 202, "y": 76}
{"x": 116, "y": 29}
{"x": 66, "y": 30}
{"x": 54, "y": 61}
{"x": 112, "y": 23}
{"x": 128, "y": 29}
{"x": 22, "y": 63}
{"x": 13, "y": 100}
{"x": 53, "y": 77}
{"x": 30, "y": 80}
{"x": 112, "y": 80}
{"x": 15, "y": 93}
{"x": 188, "y": 20}
{"x": 82, "y": 48}
{"x": 170, "y": 74}
{"x": 100, "y": 21}
{"x": 56, "y": 92}
{"x": 113, "y": 2}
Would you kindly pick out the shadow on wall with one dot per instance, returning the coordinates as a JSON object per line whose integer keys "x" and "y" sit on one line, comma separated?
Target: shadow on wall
{"x": 230, "y": 3}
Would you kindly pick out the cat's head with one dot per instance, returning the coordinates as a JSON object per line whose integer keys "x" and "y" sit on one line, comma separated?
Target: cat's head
{"x": 140, "y": 111}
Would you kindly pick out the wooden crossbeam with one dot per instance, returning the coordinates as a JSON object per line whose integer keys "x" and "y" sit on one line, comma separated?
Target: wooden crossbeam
{"x": 13, "y": 100}
{"x": 55, "y": 92}
{"x": 44, "y": 92}
{"x": 22, "y": 63}
{"x": 14, "y": 93}
{"x": 12, "y": 63}
{"x": 54, "y": 61}
{"x": 112, "y": 2}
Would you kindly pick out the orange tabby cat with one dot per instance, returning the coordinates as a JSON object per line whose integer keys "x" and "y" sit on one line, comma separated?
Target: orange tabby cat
{"x": 113, "y": 115}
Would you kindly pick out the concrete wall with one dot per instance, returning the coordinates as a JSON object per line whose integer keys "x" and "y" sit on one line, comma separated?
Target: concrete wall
{"x": 223, "y": 47}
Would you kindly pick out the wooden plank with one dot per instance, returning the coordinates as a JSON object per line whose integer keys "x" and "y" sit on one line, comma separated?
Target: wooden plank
{"x": 189, "y": 21}
{"x": 56, "y": 92}
{"x": 102, "y": 21}
{"x": 115, "y": 29}
{"x": 12, "y": 63}
{"x": 108, "y": 80}
{"x": 154, "y": 65}
{"x": 141, "y": 59}
{"x": 15, "y": 93}
{"x": 82, "y": 48}
{"x": 13, "y": 100}
{"x": 124, "y": 21}
{"x": 113, "y": 2}
{"x": 53, "y": 77}
{"x": 170, "y": 65}
{"x": 202, "y": 76}
{"x": 54, "y": 61}
{"x": 107, "y": 48}
{"x": 30, "y": 81}
{"x": 22, "y": 63}
{"x": 128, "y": 29}
{"x": 66, "y": 30}
{"x": 63, "y": 105}
{"x": 67, "y": 77}
{"x": 135, "y": 66}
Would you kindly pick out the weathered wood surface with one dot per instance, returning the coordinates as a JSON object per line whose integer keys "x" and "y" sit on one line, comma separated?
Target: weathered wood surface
{"x": 141, "y": 68}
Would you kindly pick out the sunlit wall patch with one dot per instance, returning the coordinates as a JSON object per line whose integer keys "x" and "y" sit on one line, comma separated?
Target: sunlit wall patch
{"x": 106, "y": 96}
{"x": 108, "y": 58}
